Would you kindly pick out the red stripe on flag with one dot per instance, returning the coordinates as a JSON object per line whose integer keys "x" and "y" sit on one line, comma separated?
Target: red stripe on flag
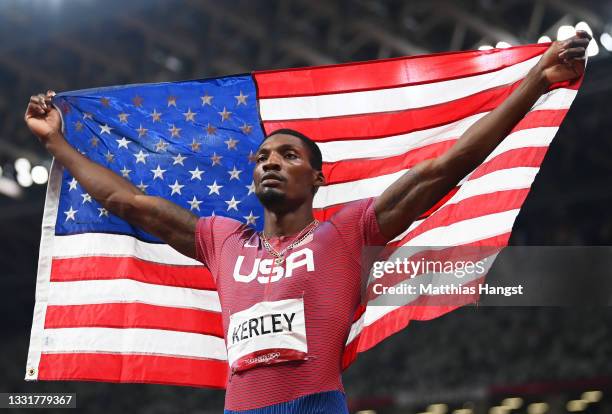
{"x": 357, "y": 169}
{"x": 105, "y": 268}
{"x": 323, "y": 214}
{"x": 389, "y": 73}
{"x": 469, "y": 208}
{"x": 382, "y": 124}
{"x": 134, "y": 315}
{"x": 133, "y": 368}
{"x": 519, "y": 157}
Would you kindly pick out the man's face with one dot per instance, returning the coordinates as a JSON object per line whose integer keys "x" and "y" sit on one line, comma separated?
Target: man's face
{"x": 283, "y": 175}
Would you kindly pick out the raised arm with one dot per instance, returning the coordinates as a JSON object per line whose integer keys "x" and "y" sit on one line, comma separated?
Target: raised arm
{"x": 160, "y": 217}
{"x": 421, "y": 187}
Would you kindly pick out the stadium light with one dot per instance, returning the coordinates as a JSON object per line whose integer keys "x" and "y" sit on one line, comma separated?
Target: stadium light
{"x": 513, "y": 403}
{"x": 366, "y": 412}
{"x": 485, "y": 47}
{"x": 593, "y": 48}
{"x": 9, "y": 188}
{"x": 606, "y": 41}
{"x": 463, "y": 411}
{"x": 565, "y": 32}
{"x": 22, "y": 164}
{"x": 537, "y": 408}
{"x": 40, "y": 175}
{"x": 544, "y": 39}
{"x": 575, "y": 406}
{"x": 500, "y": 409}
{"x": 502, "y": 45}
{"x": 591, "y": 396}
{"x": 24, "y": 178}
{"x": 438, "y": 408}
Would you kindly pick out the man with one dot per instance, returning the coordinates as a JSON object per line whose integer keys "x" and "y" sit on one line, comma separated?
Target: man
{"x": 288, "y": 295}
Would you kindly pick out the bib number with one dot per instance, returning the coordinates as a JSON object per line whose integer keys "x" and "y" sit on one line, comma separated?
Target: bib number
{"x": 267, "y": 333}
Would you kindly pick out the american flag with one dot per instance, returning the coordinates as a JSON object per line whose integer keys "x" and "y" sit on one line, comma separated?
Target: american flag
{"x": 115, "y": 304}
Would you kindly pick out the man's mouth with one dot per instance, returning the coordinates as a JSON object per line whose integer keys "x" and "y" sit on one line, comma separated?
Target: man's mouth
{"x": 271, "y": 179}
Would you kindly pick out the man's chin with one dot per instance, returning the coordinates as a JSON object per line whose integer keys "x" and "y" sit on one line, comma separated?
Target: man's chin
{"x": 270, "y": 197}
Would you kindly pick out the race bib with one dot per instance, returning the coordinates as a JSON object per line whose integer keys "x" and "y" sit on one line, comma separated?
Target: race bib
{"x": 267, "y": 333}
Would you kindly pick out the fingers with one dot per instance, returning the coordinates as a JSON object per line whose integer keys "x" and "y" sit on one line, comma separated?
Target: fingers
{"x": 39, "y": 104}
{"x": 584, "y": 35}
{"x": 573, "y": 53}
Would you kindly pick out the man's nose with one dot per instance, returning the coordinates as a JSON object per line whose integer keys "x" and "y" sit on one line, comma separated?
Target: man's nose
{"x": 272, "y": 162}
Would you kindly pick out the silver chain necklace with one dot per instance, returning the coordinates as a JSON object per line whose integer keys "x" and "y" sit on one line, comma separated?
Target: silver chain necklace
{"x": 279, "y": 257}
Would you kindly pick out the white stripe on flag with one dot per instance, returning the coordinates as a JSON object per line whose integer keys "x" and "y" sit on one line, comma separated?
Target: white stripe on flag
{"x": 391, "y": 99}
{"x": 102, "y": 244}
{"x": 85, "y": 292}
{"x": 134, "y": 341}
{"x": 467, "y": 231}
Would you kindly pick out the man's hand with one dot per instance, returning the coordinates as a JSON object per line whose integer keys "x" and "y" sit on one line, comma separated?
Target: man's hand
{"x": 42, "y": 118}
{"x": 564, "y": 60}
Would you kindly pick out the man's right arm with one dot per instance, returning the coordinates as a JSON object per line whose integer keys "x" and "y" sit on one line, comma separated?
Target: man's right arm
{"x": 155, "y": 215}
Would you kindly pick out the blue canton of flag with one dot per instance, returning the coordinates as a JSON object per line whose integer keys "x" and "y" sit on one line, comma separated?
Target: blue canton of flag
{"x": 190, "y": 142}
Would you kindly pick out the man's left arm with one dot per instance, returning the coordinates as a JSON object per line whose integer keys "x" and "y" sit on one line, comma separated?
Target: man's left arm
{"x": 427, "y": 182}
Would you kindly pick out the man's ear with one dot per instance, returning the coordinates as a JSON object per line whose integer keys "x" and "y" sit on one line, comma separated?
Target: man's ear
{"x": 319, "y": 180}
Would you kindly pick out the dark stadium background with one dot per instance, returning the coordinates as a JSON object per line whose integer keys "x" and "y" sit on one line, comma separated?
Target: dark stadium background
{"x": 466, "y": 362}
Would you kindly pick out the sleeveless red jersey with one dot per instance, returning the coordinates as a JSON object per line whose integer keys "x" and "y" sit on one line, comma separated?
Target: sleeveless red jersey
{"x": 319, "y": 283}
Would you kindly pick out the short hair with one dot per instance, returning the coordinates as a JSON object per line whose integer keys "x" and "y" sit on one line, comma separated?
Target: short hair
{"x": 316, "y": 158}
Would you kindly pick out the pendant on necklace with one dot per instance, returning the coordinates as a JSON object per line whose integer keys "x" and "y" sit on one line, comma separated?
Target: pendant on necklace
{"x": 279, "y": 261}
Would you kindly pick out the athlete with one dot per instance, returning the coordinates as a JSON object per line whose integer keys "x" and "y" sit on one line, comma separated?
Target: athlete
{"x": 288, "y": 294}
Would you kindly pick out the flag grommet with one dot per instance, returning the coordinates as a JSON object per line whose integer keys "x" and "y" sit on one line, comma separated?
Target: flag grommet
{"x": 31, "y": 372}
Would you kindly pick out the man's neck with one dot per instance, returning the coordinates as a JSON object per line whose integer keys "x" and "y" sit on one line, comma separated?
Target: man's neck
{"x": 287, "y": 223}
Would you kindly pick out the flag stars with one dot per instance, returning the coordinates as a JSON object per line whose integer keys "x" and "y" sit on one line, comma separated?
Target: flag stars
{"x": 194, "y": 203}
{"x": 211, "y": 130}
{"x": 123, "y": 142}
{"x": 105, "y": 129}
{"x": 171, "y": 101}
{"x": 214, "y": 188}
{"x": 123, "y": 117}
{"x": 250, "y": 219}
{"x": 156, "y": 115}
{"x": 78, "y": 125}
{"x": 109, "y": 157}
{"x": 251, "y": 188}
{"x": 195, "y": 146}
{"x": 158, "y": 173}
{"x": 94, "y": 141}
{"x": 176, "y": 188}
{"x": 141, "y": 157}
{"x": 72, "y": 185}
{"x": 232, "y": 204}
{"x": 246, "y": 129}
{"x": 125, "y": 172}
{"x": 86, "y": 198}
{"x": 176, "y": 132}
{"x": 179, "y": 160}
{"x": 161, "y": 146}
{"x": 225, "y": 114}
{"x": 234, "y": 174}
{"x": 105, "y": 102}
{"x": 70, "y": 214}
{"x": 241, "y": 99}
{"x": 141, "y": 131}
{"x": 137, "y": 100}
{"x": 142, "y": 187}
{"x": 216, "y": 159}
{"x": 103, "y": 212}
{"x": 252, "y": 157}
{"x": 231, "y": 143}
{"x": 189, "y": 116}
{"x": 87, "y": 115}
{"x": 196, "y": 174}
{"x": 206, "y": 99}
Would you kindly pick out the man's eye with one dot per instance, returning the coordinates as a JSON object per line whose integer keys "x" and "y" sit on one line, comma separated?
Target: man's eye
{"x": 291, "y": 155}
{"x": 260, "y": 158}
